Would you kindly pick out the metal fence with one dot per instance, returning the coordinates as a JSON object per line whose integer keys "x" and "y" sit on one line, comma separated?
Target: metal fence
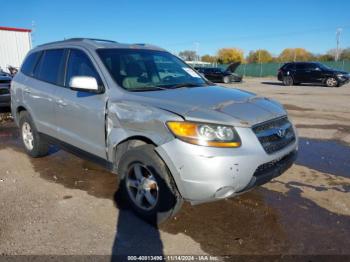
{"x": 270, "y": 69}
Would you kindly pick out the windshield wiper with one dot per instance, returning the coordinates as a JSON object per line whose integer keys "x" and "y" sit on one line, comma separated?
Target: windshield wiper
{"x": 180, "y": 85}
{"x": 147, "y": 88}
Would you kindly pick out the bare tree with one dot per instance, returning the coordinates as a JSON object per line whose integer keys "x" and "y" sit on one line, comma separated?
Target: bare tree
{"x": 188, "y": 55}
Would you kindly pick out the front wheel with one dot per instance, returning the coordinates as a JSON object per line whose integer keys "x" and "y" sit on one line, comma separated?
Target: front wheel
{"x": 226, "y": 79}
{"x": 147, "y": 185}
{"x": 331, "y": 82}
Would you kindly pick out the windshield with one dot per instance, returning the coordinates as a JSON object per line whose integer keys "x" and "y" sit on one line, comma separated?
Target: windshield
{"x": 322, "y": 66}
{"x": 141, "y": 70}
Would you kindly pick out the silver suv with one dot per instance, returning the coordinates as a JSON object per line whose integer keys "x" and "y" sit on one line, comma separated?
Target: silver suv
{"x": 170, "y": 134}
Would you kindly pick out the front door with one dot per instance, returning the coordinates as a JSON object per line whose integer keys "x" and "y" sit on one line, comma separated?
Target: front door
{"x": 80, "y": 116}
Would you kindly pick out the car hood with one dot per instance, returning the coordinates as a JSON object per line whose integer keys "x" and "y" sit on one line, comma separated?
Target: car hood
{"x": 214, "y": 104}
{"x": 232, "y": 67}
{"x": 337, "y": 72}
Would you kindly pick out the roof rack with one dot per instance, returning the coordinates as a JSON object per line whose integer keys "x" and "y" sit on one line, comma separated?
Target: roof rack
{"x": 91, "y": 39}
{"x": 77, "y": 39}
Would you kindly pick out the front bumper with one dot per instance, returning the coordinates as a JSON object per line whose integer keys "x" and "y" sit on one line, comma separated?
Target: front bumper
{"x": 5, "y": 96}
{"x": 343, "y": 80}
{"x": 204, "y": 174}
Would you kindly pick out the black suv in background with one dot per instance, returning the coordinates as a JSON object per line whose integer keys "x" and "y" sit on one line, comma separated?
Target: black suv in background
{"x": 5, "y": 82}
{"x": 311, "y": 72}
{"x": 219, "y": 75}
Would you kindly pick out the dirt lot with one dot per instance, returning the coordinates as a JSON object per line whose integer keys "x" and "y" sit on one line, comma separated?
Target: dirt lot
{"x": 61, "y": 204}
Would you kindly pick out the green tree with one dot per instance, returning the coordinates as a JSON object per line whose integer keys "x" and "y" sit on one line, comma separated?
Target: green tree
{"x": 209, "y": 58}
{"x": 295, "y": 54}
{"x": 259, "y": 56}
{"x": 230, "y": 55}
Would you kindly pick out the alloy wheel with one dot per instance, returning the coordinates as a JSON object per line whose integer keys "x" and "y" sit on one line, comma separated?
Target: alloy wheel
{"x": 331, "y": 82}
{"x": 27, "y": 136}
{"x": 142, "y": 186}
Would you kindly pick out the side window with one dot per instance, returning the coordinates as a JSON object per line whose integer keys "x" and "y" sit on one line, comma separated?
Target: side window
{"x": 50, "y": 66}
{"x": 28, "y": 65}
{"x": 79, "y": 64}
{"x": 311, "y": 66}
{"x": 301, "y": 66}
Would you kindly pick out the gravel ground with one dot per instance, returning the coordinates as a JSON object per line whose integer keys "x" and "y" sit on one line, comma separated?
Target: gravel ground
{"x": 63, "y": 205}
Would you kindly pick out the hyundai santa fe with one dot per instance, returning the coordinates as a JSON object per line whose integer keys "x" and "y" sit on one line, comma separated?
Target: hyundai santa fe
{"x": 169, "y": 134}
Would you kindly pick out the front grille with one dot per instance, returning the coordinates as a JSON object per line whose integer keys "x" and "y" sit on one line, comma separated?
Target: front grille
{"x": 5, "y": 81}
{"x": 275, "y": 135}
{"x": 4, "y": 91}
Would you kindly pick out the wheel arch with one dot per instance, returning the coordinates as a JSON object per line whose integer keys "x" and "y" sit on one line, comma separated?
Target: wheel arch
{"x": 18, "y": 111}
{"x": 128, "y": 143}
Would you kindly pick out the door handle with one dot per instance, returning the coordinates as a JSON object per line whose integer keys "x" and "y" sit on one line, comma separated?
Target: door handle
{"x": 61, "y": 103}
{"x": 26, "y": 90}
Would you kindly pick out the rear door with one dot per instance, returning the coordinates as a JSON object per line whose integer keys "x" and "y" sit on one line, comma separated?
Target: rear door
{"x": 40, "y": 90}
{"x": 302, "y": 74}
{"x": 80, "y": 116}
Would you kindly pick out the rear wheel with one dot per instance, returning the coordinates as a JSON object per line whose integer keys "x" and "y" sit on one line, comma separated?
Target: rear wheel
{"x": 147, "y": 185}
{"x": 287, "y": 80}
{"x": 34, "y": 144}
{"x": 331, "y": 82}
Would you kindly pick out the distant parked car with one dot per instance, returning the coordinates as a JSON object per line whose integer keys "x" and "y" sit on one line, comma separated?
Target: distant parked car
{"x": 5, "y": 81}
{"x": 311, "y": 72}
{"x": 216, "y": 74}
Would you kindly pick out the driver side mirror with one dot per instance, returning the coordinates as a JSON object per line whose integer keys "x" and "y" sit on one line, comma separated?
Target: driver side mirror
{"x": 84, "y": 84}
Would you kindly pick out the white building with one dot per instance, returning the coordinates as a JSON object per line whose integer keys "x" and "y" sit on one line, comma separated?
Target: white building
{"x": 14, "y": 45}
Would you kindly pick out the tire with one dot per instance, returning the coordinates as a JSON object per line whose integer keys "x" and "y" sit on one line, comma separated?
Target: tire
{"x": 226, "y": 79}
{"x": 288, "y": 80}
{"x": 34, "y": 144}
{"x": 331, "y": 82}
{"x": 141, "y": 169}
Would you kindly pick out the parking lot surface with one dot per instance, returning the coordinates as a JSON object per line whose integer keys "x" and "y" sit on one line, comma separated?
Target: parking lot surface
{"x": 61, "y": 204}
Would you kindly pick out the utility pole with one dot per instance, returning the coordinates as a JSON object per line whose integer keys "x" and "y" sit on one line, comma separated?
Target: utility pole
{"x": 33, "y": 33}
{"x": 260, "y": 62}
{"x": 337, "y": 51}
{"x": 295, "y": 55}
{"x": 196, "y": 44}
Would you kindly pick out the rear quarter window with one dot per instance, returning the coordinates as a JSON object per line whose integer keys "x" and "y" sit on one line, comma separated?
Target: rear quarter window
{"x": 50, "y": 66}
{"x": 29, "y": 63}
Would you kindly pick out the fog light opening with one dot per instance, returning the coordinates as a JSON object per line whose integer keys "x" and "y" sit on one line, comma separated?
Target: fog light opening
{"x": 224, "y": 192}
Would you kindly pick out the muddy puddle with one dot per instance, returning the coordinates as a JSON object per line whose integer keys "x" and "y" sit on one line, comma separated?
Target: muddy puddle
{"x": 258, "y": 222}
{"x": 325, "y": 156}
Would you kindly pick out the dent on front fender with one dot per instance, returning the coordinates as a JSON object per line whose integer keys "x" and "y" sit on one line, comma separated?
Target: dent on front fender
{"x": 127, "y": 119}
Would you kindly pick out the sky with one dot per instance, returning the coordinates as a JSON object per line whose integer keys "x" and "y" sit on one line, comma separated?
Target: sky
{"x": 179, "y": 25}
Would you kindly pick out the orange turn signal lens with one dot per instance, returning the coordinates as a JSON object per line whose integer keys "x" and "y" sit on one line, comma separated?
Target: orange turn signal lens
{"x": 189, "y": 132}
{"x": 183, "y": 129}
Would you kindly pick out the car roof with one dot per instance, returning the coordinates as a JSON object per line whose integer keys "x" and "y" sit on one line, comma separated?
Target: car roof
{"x": 300, "y": 62}
{"x": 92, "y": 43}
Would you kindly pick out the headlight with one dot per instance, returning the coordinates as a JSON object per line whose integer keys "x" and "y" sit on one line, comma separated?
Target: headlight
{"x": 205, "y": 134}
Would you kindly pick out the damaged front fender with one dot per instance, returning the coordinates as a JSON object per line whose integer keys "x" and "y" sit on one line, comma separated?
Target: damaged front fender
{"x": 127, "y": 120}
